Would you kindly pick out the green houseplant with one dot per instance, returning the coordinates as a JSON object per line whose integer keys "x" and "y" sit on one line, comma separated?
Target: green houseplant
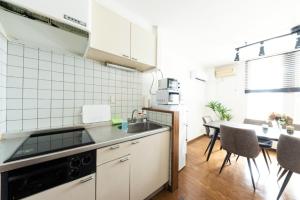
{"x": 222, "y": 112}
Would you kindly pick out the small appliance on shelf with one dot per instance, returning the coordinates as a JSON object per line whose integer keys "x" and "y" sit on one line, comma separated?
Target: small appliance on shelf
{"x": 168, "y": 92}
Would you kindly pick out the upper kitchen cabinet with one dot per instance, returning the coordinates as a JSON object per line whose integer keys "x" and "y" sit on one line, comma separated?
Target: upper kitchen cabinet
{"x": 143, "y": 46}
{"x": 116, "y": 40}
{"x": 110, "y": 32}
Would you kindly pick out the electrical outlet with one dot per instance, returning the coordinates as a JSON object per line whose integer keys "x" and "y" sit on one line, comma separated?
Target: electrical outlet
{"x": 112, "y": 99}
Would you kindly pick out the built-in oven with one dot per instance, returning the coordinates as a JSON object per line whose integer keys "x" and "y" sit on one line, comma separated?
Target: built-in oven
{"x": 56, "y": 179}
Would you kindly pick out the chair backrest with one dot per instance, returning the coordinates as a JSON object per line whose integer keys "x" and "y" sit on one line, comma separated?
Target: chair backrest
{"x": 205, "y": 120}
{"x": 240, "y": 141}
{"x": 297, "y": 127}
{"x": 288, "y": 151}
{"x": 254, "y": 121}
{"x": 257, "y": 122}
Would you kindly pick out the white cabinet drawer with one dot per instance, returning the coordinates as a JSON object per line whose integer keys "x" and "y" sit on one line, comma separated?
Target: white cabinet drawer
{"x": 113, "y": 152}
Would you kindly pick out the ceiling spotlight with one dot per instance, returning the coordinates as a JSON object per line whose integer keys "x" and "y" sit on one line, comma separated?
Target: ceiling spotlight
{"x": 261, "y": 49}
{"x": 237, "y": 56}
{"x": 298, "y": 41}
{"x": 296, "y": 29}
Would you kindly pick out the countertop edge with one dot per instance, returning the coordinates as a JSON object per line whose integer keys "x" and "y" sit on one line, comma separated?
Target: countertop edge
{"x": 4, "y": 167}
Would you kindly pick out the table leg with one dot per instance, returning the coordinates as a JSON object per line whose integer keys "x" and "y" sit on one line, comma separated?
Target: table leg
{"x": 215, "y": 137}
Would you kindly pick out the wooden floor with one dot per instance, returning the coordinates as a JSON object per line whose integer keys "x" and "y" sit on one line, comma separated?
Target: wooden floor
{"x": 200, "y": 179}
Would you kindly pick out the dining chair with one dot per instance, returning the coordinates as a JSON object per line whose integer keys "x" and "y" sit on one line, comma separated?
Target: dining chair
{"x": 297, "y": 127}
{"x": 207, "y": 119}
{"x": 242, "y": 142}
{"x": 265, "y": 144}
{"x": 288, "y": 151}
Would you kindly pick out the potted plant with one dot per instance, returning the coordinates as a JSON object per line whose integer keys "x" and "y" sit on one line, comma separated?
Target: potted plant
{"x": 221, "y": 111}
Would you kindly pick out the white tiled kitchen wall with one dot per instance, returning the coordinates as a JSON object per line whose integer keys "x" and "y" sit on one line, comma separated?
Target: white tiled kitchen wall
{"x": 160, "y": 117}
{"x": 3, "y": 55}
{"x": 47, "y": 89}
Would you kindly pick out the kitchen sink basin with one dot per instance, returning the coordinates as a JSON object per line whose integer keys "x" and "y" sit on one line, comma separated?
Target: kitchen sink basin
{"x": 141, "y": 127}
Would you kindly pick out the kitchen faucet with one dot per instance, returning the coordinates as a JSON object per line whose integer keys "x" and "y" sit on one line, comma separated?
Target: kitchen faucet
{"x": 132, "y": 114}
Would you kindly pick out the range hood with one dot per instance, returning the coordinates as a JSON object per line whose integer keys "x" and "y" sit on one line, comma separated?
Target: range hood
{"x": 53, "y": 24}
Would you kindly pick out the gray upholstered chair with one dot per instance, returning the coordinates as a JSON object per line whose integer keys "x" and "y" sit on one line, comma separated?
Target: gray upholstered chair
{"x": 288, "y": 151}
{"x": 242, "y": 142}
{"x": 207, "y": 119}
{"x": 297, "y": 127}
{"x": 265, "y": 144}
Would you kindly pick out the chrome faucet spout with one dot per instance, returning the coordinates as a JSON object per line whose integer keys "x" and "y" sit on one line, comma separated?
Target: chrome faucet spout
{"x": 135, "y": 110}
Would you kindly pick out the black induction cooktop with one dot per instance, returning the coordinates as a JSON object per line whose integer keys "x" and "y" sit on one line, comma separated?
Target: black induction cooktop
{"x": 52, "y": 141}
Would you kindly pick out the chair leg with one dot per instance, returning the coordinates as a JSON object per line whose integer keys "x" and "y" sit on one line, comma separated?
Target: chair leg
{"x": 225, "y": 161}
{"x": 267, "y": 152}
{"x": 286, "y": 181}
{"x": 208, "y": 146}
{"x": 249, "y": 164}
{"x": 282, "y": 174}
{"x": 279, "y": 170}
{"x": 264, "y": 153}
{"x": 256, "y": 165}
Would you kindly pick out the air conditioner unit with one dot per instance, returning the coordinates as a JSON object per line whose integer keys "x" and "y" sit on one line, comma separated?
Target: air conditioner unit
{"x": 198, "y": 75}
{"x": 225, "y": 71}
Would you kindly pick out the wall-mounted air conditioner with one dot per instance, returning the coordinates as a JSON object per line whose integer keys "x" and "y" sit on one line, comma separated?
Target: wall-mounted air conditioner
{"x": 55, "y": 24}
{"x": 224, "y": 71}
{"x": 199, "y": 75}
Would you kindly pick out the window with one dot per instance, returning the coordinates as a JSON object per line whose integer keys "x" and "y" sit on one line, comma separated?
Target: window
{"x": 273, "y": 85}
{"x": 280, "y": 73}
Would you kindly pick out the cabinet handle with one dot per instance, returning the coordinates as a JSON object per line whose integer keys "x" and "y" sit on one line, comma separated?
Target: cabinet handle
{"x": 114, "y": 147}
{"x": 125, "y": 56}
{"x": 124, "y": 159}
{"x": 134, "y": 59}
{"x": 135, "y": 142}
{"x": 86, "y": 180}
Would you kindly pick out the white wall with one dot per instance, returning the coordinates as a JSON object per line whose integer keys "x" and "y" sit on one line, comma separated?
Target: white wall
{"x": 229, "y": 91}
{"x": 175, "y": 63}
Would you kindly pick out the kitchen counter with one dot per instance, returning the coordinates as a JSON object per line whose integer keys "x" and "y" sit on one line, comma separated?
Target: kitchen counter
{"x": 102, "y": 135}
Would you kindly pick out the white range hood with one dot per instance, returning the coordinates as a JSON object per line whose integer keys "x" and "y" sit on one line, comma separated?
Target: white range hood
{"x": 55, "y": 24}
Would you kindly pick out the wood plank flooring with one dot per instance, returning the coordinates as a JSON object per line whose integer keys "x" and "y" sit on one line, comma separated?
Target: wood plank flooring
{"x": 201, "y": 180}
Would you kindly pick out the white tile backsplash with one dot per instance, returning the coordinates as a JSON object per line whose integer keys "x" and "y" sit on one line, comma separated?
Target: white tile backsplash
{"x": 3, "y": 82}
{"x": 44, "y": 89}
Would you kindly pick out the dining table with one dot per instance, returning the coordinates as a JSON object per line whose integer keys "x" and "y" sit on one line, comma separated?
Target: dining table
{"x": 268, "y": 133}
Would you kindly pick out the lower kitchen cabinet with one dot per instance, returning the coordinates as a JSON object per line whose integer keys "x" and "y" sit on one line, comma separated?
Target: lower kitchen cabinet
{"x": 80, "y": 189}
{"x": 113, "y": 180}
{"x": 149, "y": 165}
{"x": 142, "y": 169}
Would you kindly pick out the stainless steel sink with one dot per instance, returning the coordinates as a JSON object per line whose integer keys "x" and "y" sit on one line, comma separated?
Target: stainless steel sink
{"x": 141, "y": 127}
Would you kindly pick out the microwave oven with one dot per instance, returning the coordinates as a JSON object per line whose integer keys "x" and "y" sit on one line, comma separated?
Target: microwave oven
{"x": 168, "y": 83}
{"x": 167, "y": 97}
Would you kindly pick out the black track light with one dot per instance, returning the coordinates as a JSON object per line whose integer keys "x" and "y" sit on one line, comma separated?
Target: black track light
{"x": 298, "y": 41}
{"x": 237, "y": 56}
{"x": 261, "y": 49}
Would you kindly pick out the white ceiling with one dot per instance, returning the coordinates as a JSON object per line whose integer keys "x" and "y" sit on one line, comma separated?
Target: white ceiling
{"x": 209, "y": 30}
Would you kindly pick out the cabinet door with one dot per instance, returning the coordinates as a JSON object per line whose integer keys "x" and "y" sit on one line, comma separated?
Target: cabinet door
{"x": 149, "y": 165}
{"x": 83, "y": 188}
{"x": 113, "y": 180}
{"x": 109, "y": 31}
{"x": 143, "y": 45}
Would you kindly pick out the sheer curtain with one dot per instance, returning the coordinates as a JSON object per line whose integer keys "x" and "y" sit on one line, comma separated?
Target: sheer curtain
{"x": 273, "y": 85}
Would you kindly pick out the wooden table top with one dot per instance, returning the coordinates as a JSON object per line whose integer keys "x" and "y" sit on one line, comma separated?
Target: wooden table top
{"x": 271, "y": 133}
